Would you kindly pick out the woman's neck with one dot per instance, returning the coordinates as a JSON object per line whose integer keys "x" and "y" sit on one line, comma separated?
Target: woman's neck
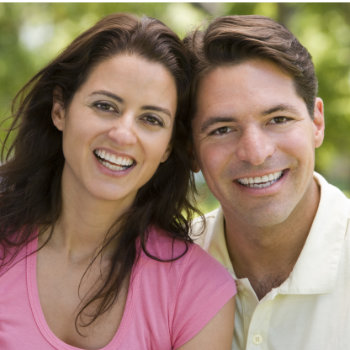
{"x": 84, "y": 223}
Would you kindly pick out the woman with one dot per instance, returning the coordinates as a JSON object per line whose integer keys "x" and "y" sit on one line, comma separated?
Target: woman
{"x": 93, "y": 212}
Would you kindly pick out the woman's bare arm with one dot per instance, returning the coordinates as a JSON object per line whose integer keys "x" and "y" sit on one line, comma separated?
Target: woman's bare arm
{"x": 218, "y": 333}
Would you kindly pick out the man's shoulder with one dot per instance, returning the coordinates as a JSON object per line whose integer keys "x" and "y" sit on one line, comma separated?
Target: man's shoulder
{"x": 212, "y": 215}
{"x": 331, "y": 195}
{"x": 203, "y": 227}
{"x": 202, "y": 223}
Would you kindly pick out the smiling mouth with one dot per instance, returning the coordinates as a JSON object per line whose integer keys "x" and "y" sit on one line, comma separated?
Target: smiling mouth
{"x": 260, "y": 181}
{"x": 113, "y": 162}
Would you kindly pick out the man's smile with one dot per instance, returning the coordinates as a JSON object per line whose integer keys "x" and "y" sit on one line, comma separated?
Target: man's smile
{"x": 260, "y": 181}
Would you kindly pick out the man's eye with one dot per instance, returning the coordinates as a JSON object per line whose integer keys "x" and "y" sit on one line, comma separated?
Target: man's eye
{"x": 221, "y": 131}
{"x": 279, "y": 120}
{"x": 152, "y": 120}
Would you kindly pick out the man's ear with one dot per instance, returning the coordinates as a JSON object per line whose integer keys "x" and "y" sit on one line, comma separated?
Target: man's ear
{"x": 58, "y": 110}
{"x": 318, "y": 122}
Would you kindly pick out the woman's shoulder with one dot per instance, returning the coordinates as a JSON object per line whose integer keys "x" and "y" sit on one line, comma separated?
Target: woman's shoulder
{"x": 183, "y": 254}
{"x": 189, "y": 290}
{"x": 11, "y": 255}
{"x": 163, "y": 246}
{"x": 184, "y": 264}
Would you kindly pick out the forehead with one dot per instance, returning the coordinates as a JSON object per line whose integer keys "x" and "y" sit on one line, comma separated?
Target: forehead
{"x": 244, "y": 87}
{"x": 123, "y": 65}
{"x": 132, "y": 77}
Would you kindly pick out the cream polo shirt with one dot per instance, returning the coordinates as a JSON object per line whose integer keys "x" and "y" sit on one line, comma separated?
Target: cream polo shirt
{"x": 311, "y": 309}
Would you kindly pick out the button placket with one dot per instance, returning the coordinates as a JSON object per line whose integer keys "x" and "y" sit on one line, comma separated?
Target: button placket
{"x": 257, "y": 339}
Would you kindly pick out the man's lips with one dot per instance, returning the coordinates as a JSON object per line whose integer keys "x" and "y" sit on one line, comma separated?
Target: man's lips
{"x": 260, "y": 181}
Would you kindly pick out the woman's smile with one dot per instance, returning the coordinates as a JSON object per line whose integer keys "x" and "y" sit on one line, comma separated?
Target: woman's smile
{"x": 114, "y": 162}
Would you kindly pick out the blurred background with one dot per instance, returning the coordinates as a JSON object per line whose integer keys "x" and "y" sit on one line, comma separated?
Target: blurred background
{"x": 31, "y": 34}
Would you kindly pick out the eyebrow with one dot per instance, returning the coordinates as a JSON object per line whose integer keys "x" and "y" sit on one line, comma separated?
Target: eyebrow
{"x": 119, "y": 99}
{"x": 280, "y": 108}
{"x": 214, "y": 120}
{"x": 108, "y": 94}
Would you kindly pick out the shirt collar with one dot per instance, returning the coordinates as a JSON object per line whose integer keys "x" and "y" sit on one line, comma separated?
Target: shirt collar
{"x": 217, "y": 242}
{"x": 317, "y": 266}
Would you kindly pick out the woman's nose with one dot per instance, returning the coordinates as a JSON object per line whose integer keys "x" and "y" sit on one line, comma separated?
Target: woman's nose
{"x": 122, "y": 132}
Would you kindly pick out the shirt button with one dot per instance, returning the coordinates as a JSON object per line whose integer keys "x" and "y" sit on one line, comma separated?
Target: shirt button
{"x": 257, "y": 339}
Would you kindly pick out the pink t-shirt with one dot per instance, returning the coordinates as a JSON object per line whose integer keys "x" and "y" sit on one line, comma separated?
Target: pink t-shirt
{"x": 168, "y": 302}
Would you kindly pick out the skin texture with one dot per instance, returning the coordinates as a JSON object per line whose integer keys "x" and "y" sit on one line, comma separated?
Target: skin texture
{"x": 250, "y": 122}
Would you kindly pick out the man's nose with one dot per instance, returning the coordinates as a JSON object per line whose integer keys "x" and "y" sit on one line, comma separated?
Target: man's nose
{"x": 255, "y": 146}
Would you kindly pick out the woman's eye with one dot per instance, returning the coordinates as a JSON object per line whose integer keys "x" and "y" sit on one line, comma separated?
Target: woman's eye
{"x": 221, "y": 131}
{"x": 152, "y": 120}
{"x": 105, "y": 107}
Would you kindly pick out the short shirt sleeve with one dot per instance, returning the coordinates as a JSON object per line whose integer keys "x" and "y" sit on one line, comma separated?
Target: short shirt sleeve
{"x": 204, "y": 288}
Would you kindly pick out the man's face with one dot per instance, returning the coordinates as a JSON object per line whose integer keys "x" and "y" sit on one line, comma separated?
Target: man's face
{"x": 255, "y": 142}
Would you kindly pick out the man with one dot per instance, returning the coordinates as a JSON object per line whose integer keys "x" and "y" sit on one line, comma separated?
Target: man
{"x": 281, "y": 229}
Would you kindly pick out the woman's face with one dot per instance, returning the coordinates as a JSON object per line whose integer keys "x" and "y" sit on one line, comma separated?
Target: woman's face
{"x": 117, "y": 128}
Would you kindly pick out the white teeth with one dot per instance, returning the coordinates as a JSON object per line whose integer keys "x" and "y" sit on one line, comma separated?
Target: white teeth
{"x": 260, "y": 181}
{"x": 112, "y": 166}
{"x": 112, "y": 161}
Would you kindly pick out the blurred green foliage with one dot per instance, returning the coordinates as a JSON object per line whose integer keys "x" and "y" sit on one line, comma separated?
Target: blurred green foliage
{"x": 33, "y": 33}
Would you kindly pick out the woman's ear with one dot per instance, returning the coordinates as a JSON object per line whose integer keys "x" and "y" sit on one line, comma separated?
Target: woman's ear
{"x": 166, "y": 153}
{"x": 58, "y": 109}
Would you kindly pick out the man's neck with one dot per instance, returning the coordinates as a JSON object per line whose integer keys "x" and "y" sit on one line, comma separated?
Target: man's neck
{"x": 266, "y": 256}
{"x": 266, "y": 262}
